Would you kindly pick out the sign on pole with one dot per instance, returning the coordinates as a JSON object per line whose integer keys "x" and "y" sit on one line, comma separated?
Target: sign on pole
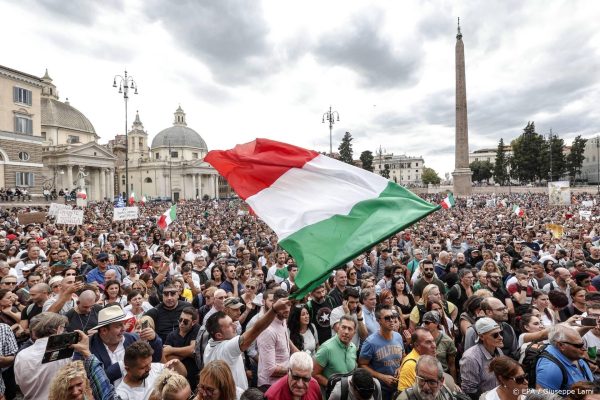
{"x": 55, "y": 208}
{"x": 124, "y": 213}
{"x": 70, "y": 217}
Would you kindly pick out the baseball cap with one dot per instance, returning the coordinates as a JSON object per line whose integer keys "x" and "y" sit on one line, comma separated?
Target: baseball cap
{"x": 233, "y": 302}
{"x": 485, "y": 325}
{"x": 55, "y": 279}
{"x": 431, "y": 316}
{"x": 102, "y": 256}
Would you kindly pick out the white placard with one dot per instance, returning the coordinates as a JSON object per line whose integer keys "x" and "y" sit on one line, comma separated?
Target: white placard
{"x": 123, "y": 213}
{"x": 587, "y": 203}
{"x": 587, "y": 214}
{"x": 55, "y": 208}
{"x": 559, "y": 193}
{"x": 70, "y": 217}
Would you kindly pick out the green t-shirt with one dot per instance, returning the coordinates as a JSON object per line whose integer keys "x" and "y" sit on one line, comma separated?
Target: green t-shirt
{"x": 335, "y": 357}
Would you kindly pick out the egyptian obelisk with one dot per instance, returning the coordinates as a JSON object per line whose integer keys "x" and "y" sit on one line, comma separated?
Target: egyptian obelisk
{"x": 462, "y": 172}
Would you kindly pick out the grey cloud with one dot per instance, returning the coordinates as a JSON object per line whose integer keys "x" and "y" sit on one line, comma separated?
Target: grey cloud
{"x": 96, "y": 48}
{"x": 82, "y": 12}
{"x": 362, "y": 48}
{"x": 227, "y": 35}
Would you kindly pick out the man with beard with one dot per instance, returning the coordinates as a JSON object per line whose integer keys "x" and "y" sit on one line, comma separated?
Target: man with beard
{"x": 427, "y": 277}
{"x": 319, "y": 308}
{"x": 274, "y": 346}
{"x": 141, "y": 375}
{"x": 429, "y": 383}
{"x": 166, "y": 314}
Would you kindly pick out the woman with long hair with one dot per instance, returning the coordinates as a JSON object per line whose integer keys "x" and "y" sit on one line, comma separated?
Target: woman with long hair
{"x": 216, "y": 382}
{"x": 472, "y": 311}
{"x": 353, "y": 280}
{"x": 113, "y": 294}
{"x": 445, "y": 347}
{"x": 302, "y": 332}
{"x": 431, "y": 292}
{"x": 511, "y": 378}
{"x": 446, "y": 322}
{"x": 532, "y": 332}
{"x": 151, "y": 289}
{"x": 403, "y": 299}
{"x": 217, "y": 274}
{"x": 541, "y": 301}
{"x": 577, "y": 307}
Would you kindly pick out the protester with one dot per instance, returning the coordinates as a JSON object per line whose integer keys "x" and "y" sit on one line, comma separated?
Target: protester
{"x": 297, "y": 383}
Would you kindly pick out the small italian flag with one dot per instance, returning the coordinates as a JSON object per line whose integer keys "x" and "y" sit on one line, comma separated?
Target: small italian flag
{"x": 518, "y": 210}
{"x": 324, "y": 212}
{"x": 82, "y": 194}
{"x": 144, "y": 199}
{"x": 169, "y": 216}
{"x": 448, "y": 202}
{"x": 131, "y": 198}
{"x": 502, "y": 203}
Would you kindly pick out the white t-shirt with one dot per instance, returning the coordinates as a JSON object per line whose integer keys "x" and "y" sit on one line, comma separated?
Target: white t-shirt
{"x": 143, "y": 392}
{"x": 230, "y": 352}
{"x": 592, "y": 341}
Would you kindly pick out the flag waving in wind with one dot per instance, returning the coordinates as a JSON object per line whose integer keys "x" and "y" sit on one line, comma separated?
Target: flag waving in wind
{"x": 169, "y": 216}
{"x": 448, "y": 202}
{"x": 518, "y": 210}
{"x": 131, "y": 198}
{"x": 325, "y": 212}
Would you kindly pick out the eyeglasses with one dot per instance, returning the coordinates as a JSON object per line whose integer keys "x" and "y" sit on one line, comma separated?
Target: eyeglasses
{"x": 430, "y": 382}
{"x": 250, "y": 287}
{"x": 207, "y": 391}
{"x": 521, "y": 379}
{"x": 10, "y": 283}
{"x": 170, "y": 293}
{"x": 304, "y": 379}
{"x": 577, "y": 345}
{"x": 391, "y": 317}
{"x": 184, "y": 321}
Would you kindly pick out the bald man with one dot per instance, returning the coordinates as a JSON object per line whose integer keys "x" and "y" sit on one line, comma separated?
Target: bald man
{"x": 564, "y": 282}
{"x": 218, "y": 304}
{"x": 85, "y": 313}
{"x": 38, "y": 294}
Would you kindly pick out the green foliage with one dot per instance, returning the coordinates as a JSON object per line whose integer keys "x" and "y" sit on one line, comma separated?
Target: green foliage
{"x": 345, "y": 149}
{"x": 527, "y": 163}
{"x": 500, "y": 172}
{"x": 430, "y": 176}
{"x": 576, "y": 157}
{"x": 557, "y": 161}
{"x": 386, "y": 171}
{"x": 482, "y": 170}
{"x": 366, "y": 158}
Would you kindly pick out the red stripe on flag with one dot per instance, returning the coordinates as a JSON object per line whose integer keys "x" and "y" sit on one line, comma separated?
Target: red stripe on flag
{"x": 252, "y": 167}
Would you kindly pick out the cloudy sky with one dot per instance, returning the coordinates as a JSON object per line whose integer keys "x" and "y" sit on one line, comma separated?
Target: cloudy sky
{"x": 271, "y": 68}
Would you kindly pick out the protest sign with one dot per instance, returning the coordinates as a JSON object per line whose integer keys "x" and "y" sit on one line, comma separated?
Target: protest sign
{"x": 585, "y": 214}
{"x": 70, "y": 217}
{"x": 124, "y": 213}
{"x": 32, "y": 218}
{"x": 55, "y": 208}
{"x": 559, "y": 193}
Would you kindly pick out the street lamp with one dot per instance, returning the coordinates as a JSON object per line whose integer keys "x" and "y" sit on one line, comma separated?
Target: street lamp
{"x": 125, "y": 83}
{"x": 331, "y": 117}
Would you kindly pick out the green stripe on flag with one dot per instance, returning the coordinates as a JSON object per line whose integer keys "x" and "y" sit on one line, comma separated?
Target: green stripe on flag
{"x": 321, "y": 247}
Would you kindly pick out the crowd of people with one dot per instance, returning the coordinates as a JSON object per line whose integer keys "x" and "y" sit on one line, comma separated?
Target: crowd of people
{"x": 472, "y": 302}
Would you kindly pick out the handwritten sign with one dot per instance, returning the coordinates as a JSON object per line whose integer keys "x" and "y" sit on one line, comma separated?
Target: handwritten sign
{"x": 124, "y": 213}
{"x": 55, "y": 208}
{"x": 70, "y": 217}
{"x": 32, "y": 218}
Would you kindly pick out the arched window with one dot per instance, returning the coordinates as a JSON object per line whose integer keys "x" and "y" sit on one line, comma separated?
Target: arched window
{"x": 148, "y": 180}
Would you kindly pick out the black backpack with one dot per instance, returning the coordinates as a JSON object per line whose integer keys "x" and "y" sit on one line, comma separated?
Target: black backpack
{"x": 445, "y": 394}
{"x": 533, "y": 353}
{"x": 343, "y": 378}
{"x": 201, "y": 342}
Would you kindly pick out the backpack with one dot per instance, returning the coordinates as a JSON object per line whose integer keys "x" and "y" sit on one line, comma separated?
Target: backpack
{"x": 333, "y": 380}
{"x": 535, "y": 352}
{"x": 445, "y": 394}
{"x": 201, "y": 342}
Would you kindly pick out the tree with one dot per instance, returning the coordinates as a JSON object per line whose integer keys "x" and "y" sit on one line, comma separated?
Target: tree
{"x": 557, "y": 160}
{"x": 500, "y": 172}
{"x": 576, "y": 157}
{"x": 366, "y": 158}
{"x": 386, "y": 171}
{"x": 482, "y": 170}
{"x": 430, "y": 176}
{"x": 527, "y": 164}
{"x": 345, "y": 149}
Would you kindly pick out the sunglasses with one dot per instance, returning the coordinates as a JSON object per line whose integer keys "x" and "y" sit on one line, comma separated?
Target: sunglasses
{"x": 10, "y": 283}
{"x": 576, "y": 345}
{"x": 428, "y": 269}
{"x": 184, "y": 321}
{"x": 304, "y": 379}
{"x": 170, "y": 293}
{"x": 250, "y": 287}
{"x": 521, "y": 379}
{"x": 391, "y": 317}
{"x": 495, "y": 335}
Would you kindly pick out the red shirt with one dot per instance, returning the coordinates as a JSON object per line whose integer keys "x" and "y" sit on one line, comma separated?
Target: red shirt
{"x": 280, "y": 390}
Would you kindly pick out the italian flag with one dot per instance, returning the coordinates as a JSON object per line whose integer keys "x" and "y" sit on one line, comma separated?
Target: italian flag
{"x": 131, "y": 198}
{"x": 81, "y": 194}
{"x": 169, "y": 216}
{"x": 143, "y": 199}
{"x": 324, "y": 212}
{"x": 448, "y": 202}
{"x": 518, "y": 210}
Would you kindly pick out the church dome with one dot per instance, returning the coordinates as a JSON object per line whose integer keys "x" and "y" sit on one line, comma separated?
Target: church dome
{"x": 179, "y": 135}
{"x": 63, "y": 115}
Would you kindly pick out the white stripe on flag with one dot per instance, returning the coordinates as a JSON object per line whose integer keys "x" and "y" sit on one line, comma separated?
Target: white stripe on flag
{"x": 321, "y": 189}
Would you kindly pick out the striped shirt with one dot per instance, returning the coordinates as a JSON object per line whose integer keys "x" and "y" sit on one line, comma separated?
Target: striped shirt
{"x": 474, "y": 370}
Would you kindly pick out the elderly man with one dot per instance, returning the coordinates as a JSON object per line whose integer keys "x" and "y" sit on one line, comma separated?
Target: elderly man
{"x": 430, "y": 384}
{"x": 297, "y": 384}
{"x": 423, "y": 344}
{"x": 65, "y": 298}
{"x": 218, "y": 304}
{"x": 31, "y": 375}
{"x": 562, "y": 363}
{"x": 474, "y": 364}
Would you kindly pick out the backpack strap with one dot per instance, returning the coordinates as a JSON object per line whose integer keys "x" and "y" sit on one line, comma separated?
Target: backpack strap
{"x": 410, "y": 394}
{"x": 344, "y": 393}
{"x": 554, "y": 360}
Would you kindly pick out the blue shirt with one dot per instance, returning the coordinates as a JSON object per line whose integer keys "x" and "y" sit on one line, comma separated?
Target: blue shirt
{"x": 384, "y": 356}
{"x": 96, "y": 276}
{"x": 549, "y": 375}
{"x": 370, "y": 321}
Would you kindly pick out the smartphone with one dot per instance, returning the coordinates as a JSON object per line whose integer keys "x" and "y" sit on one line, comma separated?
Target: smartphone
{"x": 589, "y": 321}
{"x": 58, "y": 348}
{"x": 145, "y": 324}
{"x": 80, "y": 278}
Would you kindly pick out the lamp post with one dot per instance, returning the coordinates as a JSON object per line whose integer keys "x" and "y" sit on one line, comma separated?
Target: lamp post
{"x": 125, "y": 83}
{"x": 330, "y": 116}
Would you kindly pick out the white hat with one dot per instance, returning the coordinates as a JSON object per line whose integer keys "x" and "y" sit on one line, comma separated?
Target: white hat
{"x": 110, "y": 314}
